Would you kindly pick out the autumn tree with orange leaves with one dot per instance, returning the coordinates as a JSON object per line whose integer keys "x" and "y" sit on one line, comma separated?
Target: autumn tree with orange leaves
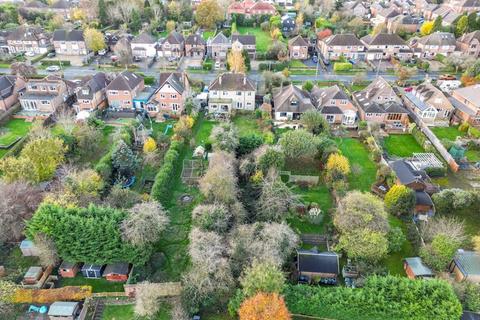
{"x": 264, "y": 306}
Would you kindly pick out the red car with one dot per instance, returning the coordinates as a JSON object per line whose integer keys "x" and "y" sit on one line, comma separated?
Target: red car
{"x": 408, "y": 89}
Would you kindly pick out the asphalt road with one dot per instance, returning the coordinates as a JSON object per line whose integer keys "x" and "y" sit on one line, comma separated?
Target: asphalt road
{"x": 78, "y": 72}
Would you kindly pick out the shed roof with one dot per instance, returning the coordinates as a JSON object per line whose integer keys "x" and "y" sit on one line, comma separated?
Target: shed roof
{"x": 418, "y": 268}
{"x": 319, "y": 262}
{"x": 62, "y": 308}
{"x": 468, "y": 262}
{"x": 117, "y": 268}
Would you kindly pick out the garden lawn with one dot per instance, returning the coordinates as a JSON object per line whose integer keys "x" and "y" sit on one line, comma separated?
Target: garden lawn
{"x": 394, "y": 261}
{"x": 98, "y": 285}
{"x": 402, "y": 145}
{"x": 247, "y": 124}
{"x": 126, "y": 312}
{"x": 318, "y": 194}
{"x": 451, "y": 133}
{"x": 14, "y": 129}
{"x": 174, "y": 241}
{"x": 297, "y": 64}
{"x": 364, "y": 170}
{"x": 207, "y": 34}
{"x": 263, "y": 38}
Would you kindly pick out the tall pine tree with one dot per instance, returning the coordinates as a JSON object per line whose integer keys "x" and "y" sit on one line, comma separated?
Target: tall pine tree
{"x": 102, "y": 13}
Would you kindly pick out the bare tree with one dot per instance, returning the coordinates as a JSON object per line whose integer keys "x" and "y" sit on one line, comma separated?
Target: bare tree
{"x": 145, "y": 223}
{"x": 206, "y": 247}
{"x": 276, "y": 198}
{"x": 22, "y": 69}
{"x": 219, "y": 184}
{"x": 213, "y": 217}
{"x": 47, "y": 251}
{"x": 450, "y": 227}
{"x": 65, "y": 119}
{"x": 123, "y": 50}
{"x": 178, "y": 312}
{"x": 18, "y": 202}
{"x": 146, "y": 300}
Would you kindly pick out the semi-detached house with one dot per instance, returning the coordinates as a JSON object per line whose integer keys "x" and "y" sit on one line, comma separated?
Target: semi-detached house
{"x": 231, "y": 91}
{"x": 346, "y": 45}
{"x": 122, "y": 90}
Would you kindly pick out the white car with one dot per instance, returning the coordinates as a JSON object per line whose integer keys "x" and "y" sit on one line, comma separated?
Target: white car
{"x": 53, "y": 68}
{"x": 30, "y": 54}
{"x": 102, "y": 52}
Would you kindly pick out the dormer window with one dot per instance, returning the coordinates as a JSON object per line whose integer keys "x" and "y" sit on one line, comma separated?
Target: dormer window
{"x": 85, "y": 91}
{"x": 294, "y": 102}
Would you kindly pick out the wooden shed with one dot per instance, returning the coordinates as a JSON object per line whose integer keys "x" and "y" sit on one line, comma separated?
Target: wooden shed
{"x": 92, "y": 271}
{"x": 68, "y": 269}
{"x": 32, "y": 275}
{"x": 415, "y": 269}
{"x": 466, "y": 266}
{"x": 28, "y": 248}
{"x": 117, "y": 271}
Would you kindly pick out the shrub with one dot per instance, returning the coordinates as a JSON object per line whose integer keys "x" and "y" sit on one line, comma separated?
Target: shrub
{"x": 52, "y": 295}
{"x": 149, "y": 80}
{"x": 64, "y": 63}
{"x": 161, "y": 187}
{"x": 342, "y": 66}
{"x": 249, "y": 143}
{"x": 400, "y": 200}
{"x": 207, "y": 65}
{"x": 381, "y": 298}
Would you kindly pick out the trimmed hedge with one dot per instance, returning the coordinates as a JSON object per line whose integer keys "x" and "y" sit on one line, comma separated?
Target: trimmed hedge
{"x": 64, "y": 63}
{"x": 342, "y": 66}
{"x": 273, "y": 66}
{"x": 161, "y": 188}
{"x": 381, "y": 298}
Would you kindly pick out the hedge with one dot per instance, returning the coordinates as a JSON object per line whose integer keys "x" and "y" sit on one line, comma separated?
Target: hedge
{"x": 64, "y": 63}
{"x": 161, "y": 188}
{"x": 40, "y": 57}
{"x": 207, "y": 65}
{"x": 381, "y": 298}
{"x": 342, "y": 66}
{"x": 104, "y": 167}
{"x": 273, "y": 66}
{"x": 149, "y": 80}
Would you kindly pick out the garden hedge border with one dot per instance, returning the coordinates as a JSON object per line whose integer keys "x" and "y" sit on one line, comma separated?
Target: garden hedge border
{"x": 161, "y": 187}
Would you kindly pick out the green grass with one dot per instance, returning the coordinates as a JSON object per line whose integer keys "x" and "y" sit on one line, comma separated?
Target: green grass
{"x": 118, "y": 312}
{"x": 15, "y": 128}
{"x": 98, "y": 285}
{"x": 262, "y": 37}
{"x": 297, "y": 64}
{"x": 358, "y": 155}
{"x": 4, "y": 66}
{"x": 402, "y": 145}
{"x": 320, "y": 195}
{"x": 159, "y": 127}
{"x": 208, "y": 34}
{"x": 304, "y": 167}
{"x": 175, "y": 239}
{"x": 394, "y": 261}
{"x": 126, "y": 312}
{"x": 247, "y": 124}
{"x": 15, "y": 263}
{"x": 451, "y": 133}
{"x": 307, "y": 72}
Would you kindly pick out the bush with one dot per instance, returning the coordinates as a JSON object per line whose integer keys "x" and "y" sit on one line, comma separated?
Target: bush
{"x": 249, "y": 143}
{"x": 149, "y": 80}
{"x": 52, "y": 295}
{"x": 381, "y": 298}
{"x": 342, "y": 66}
{"x": 436, "y": 172}
{"x": 207, "y": 65}
{"x": 104, "y": 167}
{"x": 161, "y": 187}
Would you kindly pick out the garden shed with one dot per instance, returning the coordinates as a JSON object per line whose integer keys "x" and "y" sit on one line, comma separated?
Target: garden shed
{"x": 63, "y": 310}
{"x": 312, "y": 264}
{"x": 68, "y": 269}
{"x": 466, "y": 266}
{"x": 414, "y": 268}
{"x": 32, "y": 275}
{"x": 92, "y": 271}
{"x": 28, "y": 248}
{"x": 117, "y": 271}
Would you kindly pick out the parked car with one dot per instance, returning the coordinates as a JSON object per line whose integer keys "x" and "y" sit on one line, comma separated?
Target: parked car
{"x": 326, "y": 62}
{"x": 53, "y": 68}
{"x": 408, "y": 89}
{"x": 51, "y": 54}
{"x": 30, "y": 54}
{"x": 137, "y": 59}
{"x": 447, "y": 77}
{"x": 114, "y": 58}
{"x": 315, "y": 59}
{"x": 102, "y": 52}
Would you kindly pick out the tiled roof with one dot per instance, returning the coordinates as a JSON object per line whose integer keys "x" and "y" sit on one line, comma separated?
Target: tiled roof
{"x": 282, "y": 101}
{"x": 244, "y": 39}
{"x": 390, "y": 39}
{"x": 174, "y": 79}
{"x": 125, "y": 81}
{"x": 143, "y": 38}
{"x": 343, "y": 40}
{"x": 194, "y": 39}
{"x": 439, "y": 39}
{"x": 232, "y": 82}
{"x": 65, "y": 35}
{"x": 298, "y": 41}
